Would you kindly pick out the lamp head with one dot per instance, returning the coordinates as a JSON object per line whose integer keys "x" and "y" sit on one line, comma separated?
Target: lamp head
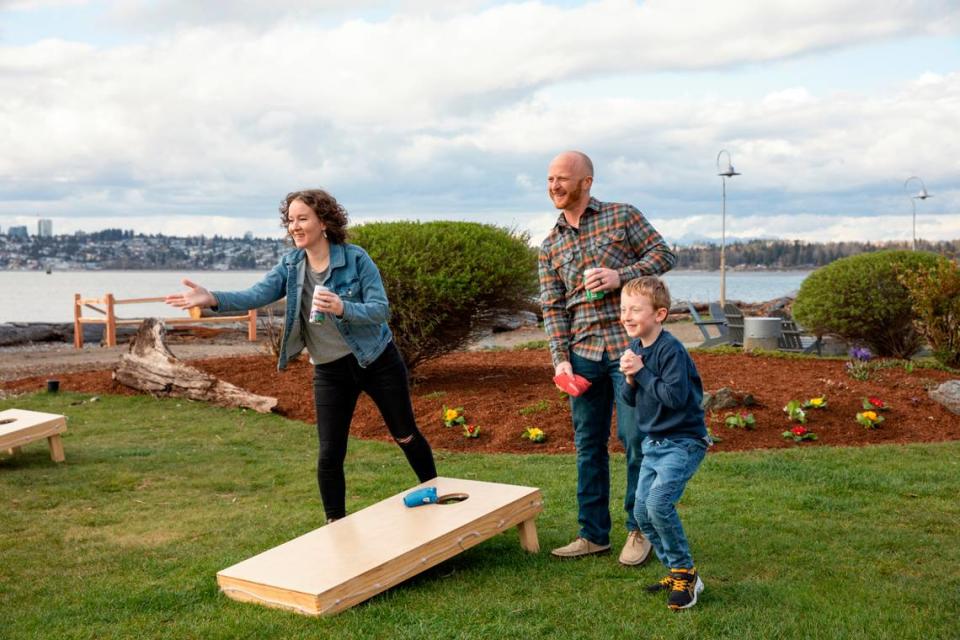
{"x": 727, "y": 171}
{"x": 922, "y": 194}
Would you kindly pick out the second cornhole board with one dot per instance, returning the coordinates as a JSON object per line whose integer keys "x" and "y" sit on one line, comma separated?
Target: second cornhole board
{"x": 19, "y": 427}
{"x": 348, "y": 561}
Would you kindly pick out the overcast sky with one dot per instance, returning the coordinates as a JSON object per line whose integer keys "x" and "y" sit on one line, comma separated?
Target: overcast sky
{"x": 188, "y": 117}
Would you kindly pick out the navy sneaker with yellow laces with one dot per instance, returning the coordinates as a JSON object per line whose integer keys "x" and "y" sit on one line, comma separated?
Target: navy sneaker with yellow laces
{"x": 687, "y": 585}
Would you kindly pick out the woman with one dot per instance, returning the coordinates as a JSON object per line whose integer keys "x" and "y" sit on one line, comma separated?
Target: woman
{"x": 351, "y": 347}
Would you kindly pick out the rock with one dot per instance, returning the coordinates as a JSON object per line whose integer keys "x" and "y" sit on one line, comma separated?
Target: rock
{"x": 513, "y": 320}
{"x": 12, "y": 333}
{"x": 17, "y": 333}
{"x": 948, "y": 394}
{"x": 723, "y": 398}
{"x": 777, "y": 306}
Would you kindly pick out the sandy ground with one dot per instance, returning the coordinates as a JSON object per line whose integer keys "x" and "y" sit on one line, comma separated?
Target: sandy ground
{"x": 52, "y": 358}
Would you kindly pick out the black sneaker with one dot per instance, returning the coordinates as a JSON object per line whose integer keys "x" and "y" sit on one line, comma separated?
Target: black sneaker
{"x": 664, "y": 584}
{"x": 687, "y": 585}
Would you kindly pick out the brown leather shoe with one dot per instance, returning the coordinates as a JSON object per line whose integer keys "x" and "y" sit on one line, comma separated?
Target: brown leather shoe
{"x": 579, "y": 548}
{"x": 636, "y": 550}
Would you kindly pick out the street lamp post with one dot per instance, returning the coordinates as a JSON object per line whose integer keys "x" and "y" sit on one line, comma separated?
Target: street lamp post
{"x": 724, "y": 173}
{"x": 921, "y": 195}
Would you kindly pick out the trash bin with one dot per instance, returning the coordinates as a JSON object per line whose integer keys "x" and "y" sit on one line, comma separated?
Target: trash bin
{"x": 761, "y": 333}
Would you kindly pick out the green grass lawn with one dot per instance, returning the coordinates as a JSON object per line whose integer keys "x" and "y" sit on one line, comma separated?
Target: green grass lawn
{"x": 125, "y": 538}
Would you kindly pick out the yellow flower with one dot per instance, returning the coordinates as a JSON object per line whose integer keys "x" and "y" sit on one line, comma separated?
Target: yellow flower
{"x": 534, "y": 433}
{"x": 816, "y": 402}
{"x": 870, "y": 415}
{"x": 451, "y": 414}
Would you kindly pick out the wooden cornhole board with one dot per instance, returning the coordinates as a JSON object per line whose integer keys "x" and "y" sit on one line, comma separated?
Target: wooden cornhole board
{"x": 348, "y": 561}
{"x": 19, "y": 427}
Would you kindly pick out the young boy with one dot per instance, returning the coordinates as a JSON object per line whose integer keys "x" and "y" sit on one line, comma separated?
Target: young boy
{"x": 662, "y": 382}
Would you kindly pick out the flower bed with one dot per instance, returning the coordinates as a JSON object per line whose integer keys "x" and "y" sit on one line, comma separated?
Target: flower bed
{"x": 493, "y": 388}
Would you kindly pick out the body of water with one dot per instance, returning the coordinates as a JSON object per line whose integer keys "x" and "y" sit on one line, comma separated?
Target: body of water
{"x": 748, "y": 286}
{"x": 34, "y": 296}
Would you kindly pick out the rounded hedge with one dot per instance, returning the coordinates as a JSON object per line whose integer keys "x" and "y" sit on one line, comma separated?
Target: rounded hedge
{"x": 861, "y": 300}
{"x": 445, "y": 280}
{"x": 935, "y": 296}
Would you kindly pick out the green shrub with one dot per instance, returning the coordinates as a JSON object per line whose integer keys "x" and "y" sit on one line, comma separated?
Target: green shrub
{"x": 446, "y": 279}
{"x": 935, "y": 297}
{"x": 861, "y": 300}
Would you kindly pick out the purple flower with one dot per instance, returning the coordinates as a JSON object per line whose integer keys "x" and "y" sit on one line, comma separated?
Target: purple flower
{"x": 860, "y": 353}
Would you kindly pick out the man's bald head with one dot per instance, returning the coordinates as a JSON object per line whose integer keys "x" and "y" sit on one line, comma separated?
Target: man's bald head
{"x": 582, "y": 160}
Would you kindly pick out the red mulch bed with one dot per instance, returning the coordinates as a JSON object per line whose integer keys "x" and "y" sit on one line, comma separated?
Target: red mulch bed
{"x": 494, "y": 387}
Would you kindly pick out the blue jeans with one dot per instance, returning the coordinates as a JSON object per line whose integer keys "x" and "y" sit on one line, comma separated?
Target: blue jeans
{"x": 592, "y": 413}
{"x": 667, "y": 467}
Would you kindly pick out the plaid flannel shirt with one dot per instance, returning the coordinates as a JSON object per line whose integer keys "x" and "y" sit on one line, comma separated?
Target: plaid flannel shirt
{"x": 611, "y": 235}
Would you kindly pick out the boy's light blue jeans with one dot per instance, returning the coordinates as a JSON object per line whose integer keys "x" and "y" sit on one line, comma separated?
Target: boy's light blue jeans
{"x": 666, "y": 468}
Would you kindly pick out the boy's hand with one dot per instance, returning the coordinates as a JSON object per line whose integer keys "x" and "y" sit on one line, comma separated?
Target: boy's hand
{"x": 630, "y": 364}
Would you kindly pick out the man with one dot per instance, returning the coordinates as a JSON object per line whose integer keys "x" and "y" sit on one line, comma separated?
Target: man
{"x": 617, "y": 244}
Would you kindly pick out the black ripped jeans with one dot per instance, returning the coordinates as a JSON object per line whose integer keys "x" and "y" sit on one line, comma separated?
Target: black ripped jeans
{"x": 336, "y": 387}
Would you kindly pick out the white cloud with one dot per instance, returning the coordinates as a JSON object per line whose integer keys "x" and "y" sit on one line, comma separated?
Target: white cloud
{"x": 456, "y": 111}
{"x": 263, "y": 14}
{"x": 33, "y": 5}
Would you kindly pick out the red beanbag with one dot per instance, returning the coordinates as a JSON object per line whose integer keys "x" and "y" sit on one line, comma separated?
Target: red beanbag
{"x": 572, "y": 384}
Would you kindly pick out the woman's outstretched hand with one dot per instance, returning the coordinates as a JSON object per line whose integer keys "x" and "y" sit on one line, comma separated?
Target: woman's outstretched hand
{"x": 194, "y": 296}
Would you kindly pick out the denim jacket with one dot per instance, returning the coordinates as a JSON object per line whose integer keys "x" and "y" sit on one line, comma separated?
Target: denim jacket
{"x": 353, "y": 276}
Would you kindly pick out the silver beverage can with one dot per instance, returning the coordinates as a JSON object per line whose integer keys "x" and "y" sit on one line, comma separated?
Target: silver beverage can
{"x": 317, "y": 316}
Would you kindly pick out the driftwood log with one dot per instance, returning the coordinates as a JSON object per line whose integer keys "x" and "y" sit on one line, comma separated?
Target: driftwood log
{"x": 149, "y": 366}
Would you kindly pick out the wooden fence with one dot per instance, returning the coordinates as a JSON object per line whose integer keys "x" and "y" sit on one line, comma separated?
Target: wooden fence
{"x": 105, "y": 307}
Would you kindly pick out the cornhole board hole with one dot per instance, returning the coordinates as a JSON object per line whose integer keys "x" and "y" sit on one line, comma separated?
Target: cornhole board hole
{"x": 348, "y": 561}
{"x": 19, "y": 427}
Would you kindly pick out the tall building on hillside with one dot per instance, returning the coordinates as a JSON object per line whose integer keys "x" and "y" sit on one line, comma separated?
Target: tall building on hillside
{"x": 17, "y": 232}
{"x": 45, "y": 228}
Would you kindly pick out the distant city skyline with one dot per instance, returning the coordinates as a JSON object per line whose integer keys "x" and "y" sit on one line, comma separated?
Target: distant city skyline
{"x": 24, "y": 231}
{"x": 176, "y": 117}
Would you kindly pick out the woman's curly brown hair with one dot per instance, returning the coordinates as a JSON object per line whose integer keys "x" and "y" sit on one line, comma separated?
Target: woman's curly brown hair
{"x": 330, "y": 212}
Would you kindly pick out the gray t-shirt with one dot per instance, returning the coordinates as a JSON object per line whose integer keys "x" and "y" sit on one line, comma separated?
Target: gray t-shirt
{"x": 324, "y": 342}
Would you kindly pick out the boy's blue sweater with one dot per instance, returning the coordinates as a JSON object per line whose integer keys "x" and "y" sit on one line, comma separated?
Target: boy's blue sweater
{"x": 667, "y": 392}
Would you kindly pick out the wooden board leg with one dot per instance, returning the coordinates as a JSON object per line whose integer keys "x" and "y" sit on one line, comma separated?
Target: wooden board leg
{"x": 56, "y": 448}
{"x": 528, "y": 536}
{"x": 14, "y": 451}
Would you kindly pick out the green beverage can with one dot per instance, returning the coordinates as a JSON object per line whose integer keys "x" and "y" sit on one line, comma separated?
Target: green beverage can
{"x": 317, "y": 316}
{"x": 591, "y": 295}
